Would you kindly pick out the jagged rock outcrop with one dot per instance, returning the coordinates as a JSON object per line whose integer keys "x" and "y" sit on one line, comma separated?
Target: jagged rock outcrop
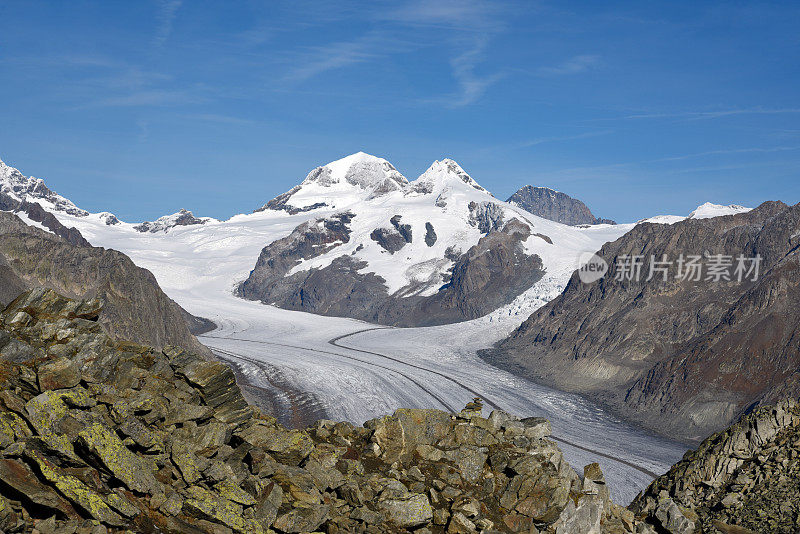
{"x": 741, "y": 480}
{"x": 683, "y": 357}
{"x": 395, "y": 238}
{"x": 31, "y": 257}
{"x": 164, "y": 224}
{"x": 555, "y": 206}
{"x": 98, "y": 435}
{"x": 15, "y": 189}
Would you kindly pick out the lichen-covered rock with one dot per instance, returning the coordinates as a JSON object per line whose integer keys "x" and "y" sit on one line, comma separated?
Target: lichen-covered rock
{"x": 205, "y": 504}
{"x": 77, "y": 492}
{"x": 744, "y": 477}
{"x": 135, "y": 471}
{"x": 21, "y": 479}
{"x": 408, "y": 511}
{"x": 396, "y": 433}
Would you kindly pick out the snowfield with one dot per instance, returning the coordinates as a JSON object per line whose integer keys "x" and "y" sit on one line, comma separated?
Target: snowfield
{"x": 358, "y": 371}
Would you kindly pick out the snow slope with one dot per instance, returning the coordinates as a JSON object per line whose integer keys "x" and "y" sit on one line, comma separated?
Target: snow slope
{"x": 703, "y": 211}
{"x": 709, "y": 210}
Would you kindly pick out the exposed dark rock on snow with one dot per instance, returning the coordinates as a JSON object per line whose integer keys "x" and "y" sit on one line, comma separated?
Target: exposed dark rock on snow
{"x": 555, "y": 206}
{"x": 281, "y": 203}
{"x": 163, "y": 224}
{"x": 395, "y": 238}
{"x": 30, "y": 257}
{"x": 307, "y": 241}
{"x": 430, "y": 234}
{"x": 682, "y": 357}
{"x": 36, "y": 213}
{"x": 391, "y": 240}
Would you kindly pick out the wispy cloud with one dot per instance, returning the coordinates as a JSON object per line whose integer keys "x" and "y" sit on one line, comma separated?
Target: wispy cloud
{"x": 574, "y": 65}
{"x": 218, "y": 118}
{"x": 471, "y": 86}
{"x": 698, "y": 115}
{"x": 317, "y": 60}
{"x": 554, "y": 139}
{"x": 154, "y": 97}
{"x": 727, "y": 152}
{"x": 465, "y": 15}
{"x": 165, "y": 16}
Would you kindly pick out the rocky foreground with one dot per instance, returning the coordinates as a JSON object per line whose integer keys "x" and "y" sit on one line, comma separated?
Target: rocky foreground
{"x": 98, "y": 435}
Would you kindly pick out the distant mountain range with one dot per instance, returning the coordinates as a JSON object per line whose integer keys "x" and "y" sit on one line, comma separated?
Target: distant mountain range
{"x": 434, "y": 250}
{"x": 368, "y": 243}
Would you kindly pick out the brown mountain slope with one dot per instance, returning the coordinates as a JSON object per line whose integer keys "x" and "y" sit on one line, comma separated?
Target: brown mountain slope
{"x": 682, "y": 357}
{"x": 136, "y": 309}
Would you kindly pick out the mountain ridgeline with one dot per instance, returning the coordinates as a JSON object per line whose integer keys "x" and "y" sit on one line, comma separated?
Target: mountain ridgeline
{"x": 684, "y": 357}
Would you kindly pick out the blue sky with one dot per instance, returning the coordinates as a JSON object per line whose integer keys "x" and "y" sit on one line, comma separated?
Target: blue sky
{"x": 637, "y": 108}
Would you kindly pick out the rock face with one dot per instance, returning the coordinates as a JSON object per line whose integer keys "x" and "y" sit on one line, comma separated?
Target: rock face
{"x": 555, "y": 206}
{"x": 684, "y": 357}
{"x": 30, "y": 257}
{"x": 35, "y": 213}
{"x": 489, "y": 275}
{"x": 741, "y": 480}
{"x": 163, "y": 441}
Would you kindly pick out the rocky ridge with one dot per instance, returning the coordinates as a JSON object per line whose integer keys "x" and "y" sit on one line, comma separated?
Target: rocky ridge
{"x": 555, "y": 206}
{"x": 682, "y": 356}
{"x": 31, "y": 257}
{"x": 16, "y": 187}
{"x": 741, "y": 480}
{"x": 100, "y": 435}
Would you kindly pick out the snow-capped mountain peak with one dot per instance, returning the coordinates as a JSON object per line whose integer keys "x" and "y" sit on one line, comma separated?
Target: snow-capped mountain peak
{"x": 360, "y": 169}
{"x": 443, "y": 173}
{"x": 354, "y": 178}
{"x": 21, "y": 188}
{"x": 708, "y": 210}
{"x": 703, "y": 211}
